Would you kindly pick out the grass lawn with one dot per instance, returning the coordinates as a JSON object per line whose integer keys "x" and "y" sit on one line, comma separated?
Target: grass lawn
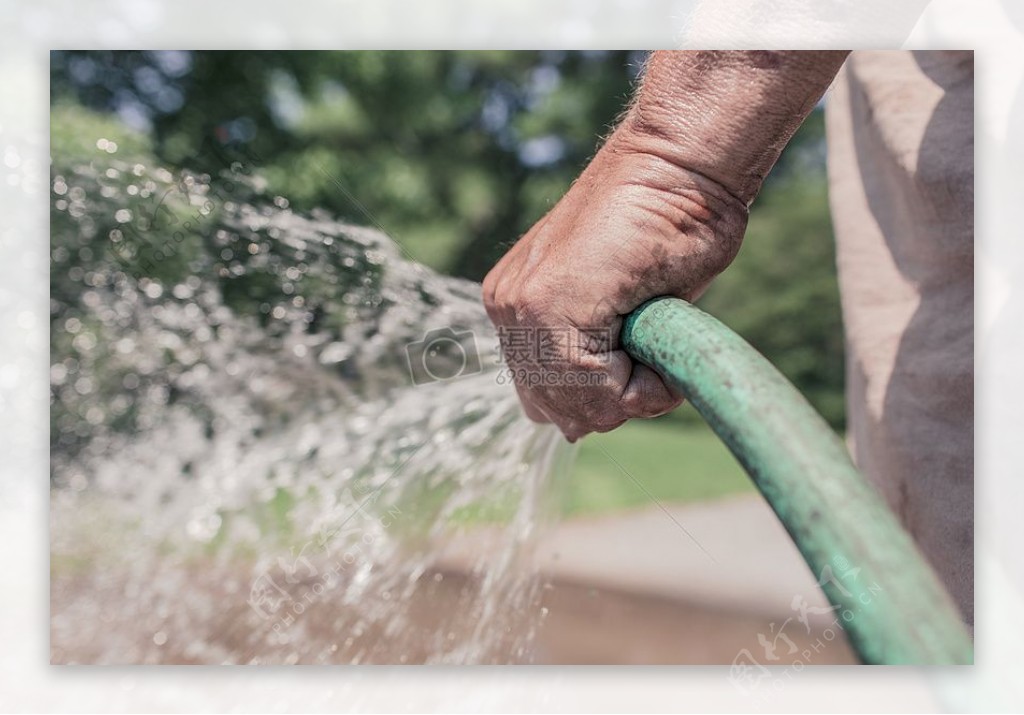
{"x": 675, "y": 461}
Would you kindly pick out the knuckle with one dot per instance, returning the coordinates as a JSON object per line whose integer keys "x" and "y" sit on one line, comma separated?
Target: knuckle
{"x": 604, "y": 416}
{"x": 489, "y": 293}
{"x": 531, "y": 299}
{"x": 649, "y": 403}
{"x": 607, "y": 423}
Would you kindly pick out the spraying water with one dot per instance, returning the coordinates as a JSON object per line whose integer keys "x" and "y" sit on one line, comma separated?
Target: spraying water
{"x": 265, "y": 428}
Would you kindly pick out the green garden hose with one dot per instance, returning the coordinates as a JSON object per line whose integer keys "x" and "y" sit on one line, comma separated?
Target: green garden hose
{"x": 887, "y": 598}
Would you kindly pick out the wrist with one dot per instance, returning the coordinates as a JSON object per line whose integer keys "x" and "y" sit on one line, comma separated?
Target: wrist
{"x": 653, "y": 166}
{"x": 691, "y": 224}
{"x": 651, "y": 128}
{"x": 725, "y": 115}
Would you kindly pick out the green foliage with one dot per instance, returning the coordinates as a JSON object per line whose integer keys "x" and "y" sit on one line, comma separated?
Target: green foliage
{"x": 656, "y": 459}
{"x": 75, "y": 132}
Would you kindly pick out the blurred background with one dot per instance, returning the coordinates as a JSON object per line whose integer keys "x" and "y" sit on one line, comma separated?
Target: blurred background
{"x": 454, "y": 155}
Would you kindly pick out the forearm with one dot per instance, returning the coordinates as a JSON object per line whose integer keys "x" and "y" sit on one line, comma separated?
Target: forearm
{"x": 725, "y": 115}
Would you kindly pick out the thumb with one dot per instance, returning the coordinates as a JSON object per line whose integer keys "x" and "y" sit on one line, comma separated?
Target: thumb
{"x": 647, "y": 394}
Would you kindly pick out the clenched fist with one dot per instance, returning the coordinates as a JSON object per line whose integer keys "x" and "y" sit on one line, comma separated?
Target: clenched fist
{"x": 634, "y": 226}
{"x": 661, "y": 210}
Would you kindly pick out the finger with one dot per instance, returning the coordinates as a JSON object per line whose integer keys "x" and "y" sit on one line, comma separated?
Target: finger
{"x": 584, "y": 408}
{"x": 533, "y": 411}
{"x": 571, "y": 428}
{"x": 488, "y": 292}
{"x": 648, "y": 395}
{"x": 573, "y": 432}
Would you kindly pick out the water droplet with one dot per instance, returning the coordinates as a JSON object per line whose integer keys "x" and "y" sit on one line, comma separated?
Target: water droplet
{"x": 57, "y": 374}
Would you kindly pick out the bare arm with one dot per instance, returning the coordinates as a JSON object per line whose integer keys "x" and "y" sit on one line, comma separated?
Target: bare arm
{"x": 727, "y": 114}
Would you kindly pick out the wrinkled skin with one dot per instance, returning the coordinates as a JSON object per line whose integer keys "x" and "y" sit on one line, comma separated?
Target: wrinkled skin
{"x": 661, "y": 210}
{"x": 634, "y": 226}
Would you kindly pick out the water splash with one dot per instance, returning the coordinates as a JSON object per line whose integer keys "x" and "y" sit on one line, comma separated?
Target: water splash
{"x": 243, "y": 467}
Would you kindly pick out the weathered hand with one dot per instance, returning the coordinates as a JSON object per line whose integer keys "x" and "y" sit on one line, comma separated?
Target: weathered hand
{"x": 660, "y": 210}
{"x": 634, "y": 226}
